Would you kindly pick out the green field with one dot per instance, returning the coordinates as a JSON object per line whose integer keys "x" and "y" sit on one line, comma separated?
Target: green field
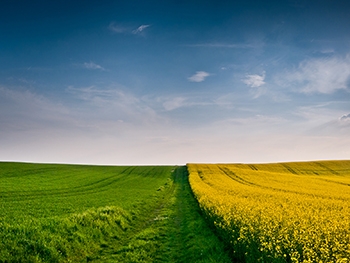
{"x": 44, "y": 190}
{"x": 78, "y": 213}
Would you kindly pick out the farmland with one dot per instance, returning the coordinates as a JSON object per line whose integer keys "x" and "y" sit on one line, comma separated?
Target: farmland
{"x": 278, "y": 212}
{"x": 80, "y": 213}
{"x": 283, "y": 212}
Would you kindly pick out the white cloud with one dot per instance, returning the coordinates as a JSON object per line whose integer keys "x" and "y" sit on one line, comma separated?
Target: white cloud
{"x": 121, "y": 29}
{"x": 169, "y": 103}
{"x": 322, "y": 75}
{"x": 256, "y": 124}
{"x": 115, "y": 28}
{"x": 327, "y": 51}
{"x": 335, "y": 127}
{"x": 317, "y": 114}
{"x": 199, "y": 76}
{"x": 103, "y": 97}
{"x": 254, "y": 81}
{"x": 174, "y": 103}
{"x": 345, "y": 117}
{"x": 322, "y": 119}
{"x": 92, "y": 65}
{"x": 23, "y": 110}
{"x": 91, "y": 108}
{"x": 221, "y": 45}
{"x": 140, "y": 29}
{"x": 113, "y": 103}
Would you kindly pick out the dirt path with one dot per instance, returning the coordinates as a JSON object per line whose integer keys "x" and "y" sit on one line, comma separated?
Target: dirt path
{"x": 170, "y": 230}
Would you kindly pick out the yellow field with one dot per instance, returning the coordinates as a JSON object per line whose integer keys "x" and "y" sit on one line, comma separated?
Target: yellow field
{"x": 283, "y": 212}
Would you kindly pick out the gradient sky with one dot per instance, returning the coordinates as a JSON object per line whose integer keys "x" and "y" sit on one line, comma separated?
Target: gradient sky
{"x": 172, "y": 82}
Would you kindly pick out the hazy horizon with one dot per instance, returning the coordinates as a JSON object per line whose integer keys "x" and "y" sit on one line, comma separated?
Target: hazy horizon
{"x": 174, "y": 82}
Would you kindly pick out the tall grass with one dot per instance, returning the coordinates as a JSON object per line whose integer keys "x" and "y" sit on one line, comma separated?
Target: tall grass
{"x": 73, "y": 238}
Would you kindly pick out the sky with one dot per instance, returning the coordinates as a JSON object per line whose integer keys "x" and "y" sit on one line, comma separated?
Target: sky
{"x": 174, "y": 82}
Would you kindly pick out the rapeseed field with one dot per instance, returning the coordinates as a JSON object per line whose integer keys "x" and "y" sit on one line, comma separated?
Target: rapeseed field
{"x": 282, "y": 212}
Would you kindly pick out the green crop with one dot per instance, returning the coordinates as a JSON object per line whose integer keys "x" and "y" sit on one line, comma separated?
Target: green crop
{"x": 52, "y": 213}
{"x": 47, "y": 190}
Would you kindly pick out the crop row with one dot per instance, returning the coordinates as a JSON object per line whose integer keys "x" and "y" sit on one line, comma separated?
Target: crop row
{"x": 288, "y": 212}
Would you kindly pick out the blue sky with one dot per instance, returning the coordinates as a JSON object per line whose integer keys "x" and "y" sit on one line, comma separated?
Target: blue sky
{"x": 172, "y": 82}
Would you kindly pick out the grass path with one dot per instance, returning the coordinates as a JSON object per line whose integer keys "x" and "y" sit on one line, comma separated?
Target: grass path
{"x": 169, "y": 228}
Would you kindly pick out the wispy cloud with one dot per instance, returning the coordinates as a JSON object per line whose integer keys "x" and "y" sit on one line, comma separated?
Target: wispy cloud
{"x": 345, "y": 117}
{"x": 329, "y": 125}
{"x": 327, "y": 51}
{"x": 101, "y": 96}
{"x": 121, "y": 29}
{"x": 254, "y": 81}
{"x": 322, "y": 75}
{"x": 24, "y": 110}
{"x": 92, "y": 65}
{"x": 221, "y": 45}
{"x": 199, "y": 76}
{"x": 170, "y": 103}
{"x": 140, "y": 29}
{"x": 324, "y": 119}
{"x": 174, "y": 103}
{"x": 114, "y": 103}
{"x": 116, "y": 28}
{"x": 253, "y": 121}
{"x": 316, "y": 114}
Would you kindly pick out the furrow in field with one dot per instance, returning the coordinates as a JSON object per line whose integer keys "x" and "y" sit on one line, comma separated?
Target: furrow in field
{"x": 241, "y": 180}
{"x": 333, "y": 182}
{"x": 327, "y": 168}
{"x": 89, "y": 188}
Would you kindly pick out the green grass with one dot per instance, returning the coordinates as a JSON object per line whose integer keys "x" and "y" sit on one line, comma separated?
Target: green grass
{"x": 47, "y": 190}
{"x": 79, "y": 213}
{"x": 172, "y": 231}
